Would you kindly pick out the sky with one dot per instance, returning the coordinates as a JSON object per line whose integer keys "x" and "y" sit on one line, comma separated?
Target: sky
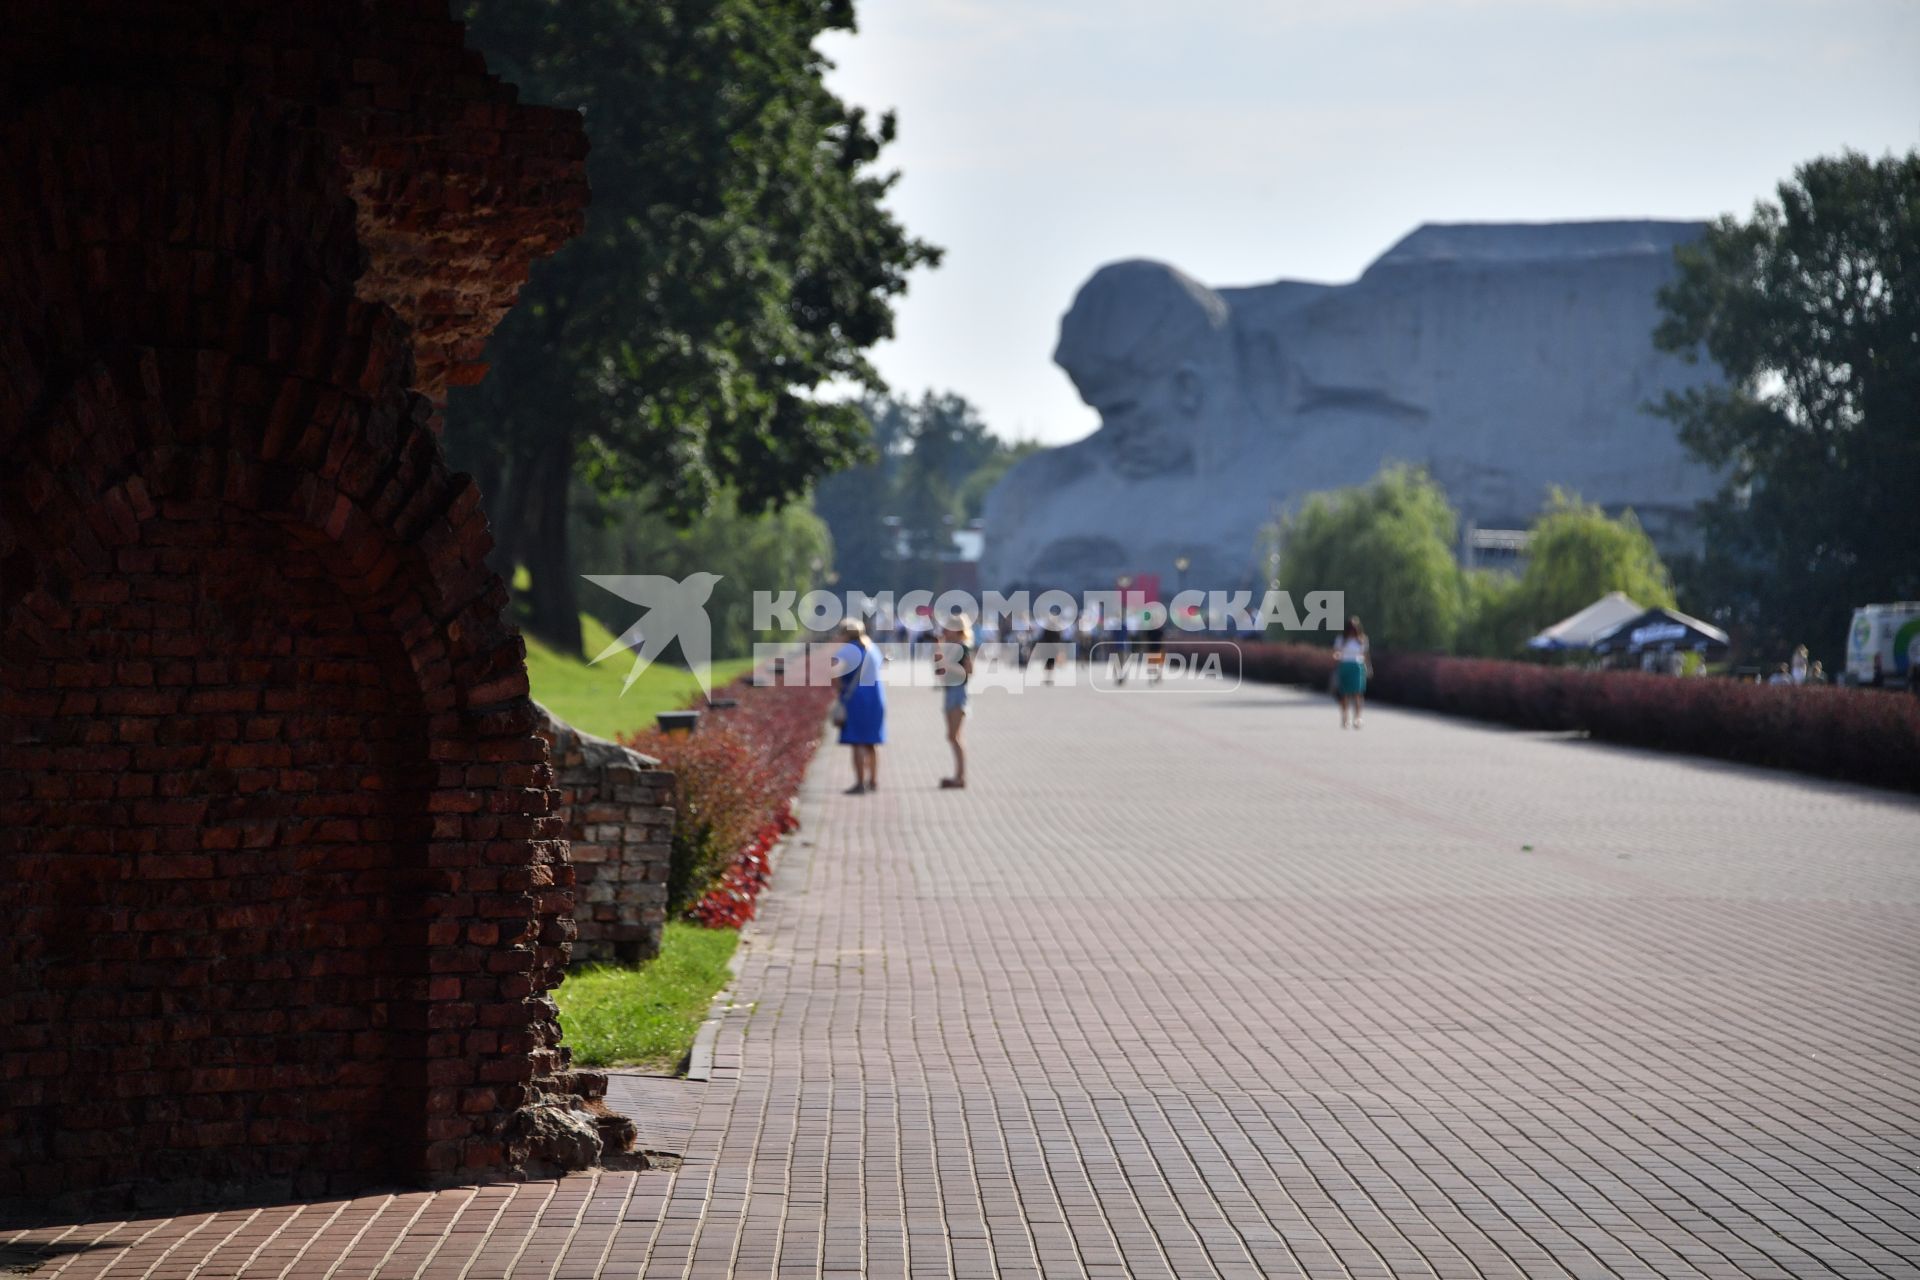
{"x": 1251, "y": 140}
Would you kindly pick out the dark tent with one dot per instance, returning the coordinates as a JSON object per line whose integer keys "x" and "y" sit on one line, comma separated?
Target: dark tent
{"x": 1661, "y": 631}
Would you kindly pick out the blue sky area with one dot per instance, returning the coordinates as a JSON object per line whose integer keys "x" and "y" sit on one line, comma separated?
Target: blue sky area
{"x": 1246, "y": 141}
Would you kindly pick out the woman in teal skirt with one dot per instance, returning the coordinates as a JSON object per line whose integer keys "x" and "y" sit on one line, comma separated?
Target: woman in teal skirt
{"x": 1350, "y": 676}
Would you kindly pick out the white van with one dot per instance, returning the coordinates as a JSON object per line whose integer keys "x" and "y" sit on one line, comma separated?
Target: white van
{"x": 1883, "y": 645}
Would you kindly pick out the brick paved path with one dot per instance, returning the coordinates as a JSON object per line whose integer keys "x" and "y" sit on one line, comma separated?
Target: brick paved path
{"x": 1194, "y": 984}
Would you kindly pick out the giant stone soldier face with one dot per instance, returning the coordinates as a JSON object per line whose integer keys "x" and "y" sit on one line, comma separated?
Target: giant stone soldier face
{"x": 1145, "y": 346}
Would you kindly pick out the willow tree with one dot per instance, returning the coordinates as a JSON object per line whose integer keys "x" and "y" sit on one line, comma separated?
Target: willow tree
{"x": 1388, "y": 545}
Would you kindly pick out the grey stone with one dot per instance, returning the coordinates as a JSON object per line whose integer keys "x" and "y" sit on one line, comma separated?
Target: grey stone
{"x": 616, "y": 806}
{"x": 555, "y": 1135}
{"x": 1505, "y": 358}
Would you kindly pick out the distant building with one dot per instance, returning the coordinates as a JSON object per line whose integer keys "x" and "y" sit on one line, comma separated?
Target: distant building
{"x": 956, "y": 568}
{"x": 1493, "y": 548}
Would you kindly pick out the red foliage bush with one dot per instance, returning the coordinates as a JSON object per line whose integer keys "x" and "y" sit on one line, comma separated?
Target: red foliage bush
{"x": 734, "y": 783}
{"x": 1855, "y": 734}
{"x": 730, "y": 902}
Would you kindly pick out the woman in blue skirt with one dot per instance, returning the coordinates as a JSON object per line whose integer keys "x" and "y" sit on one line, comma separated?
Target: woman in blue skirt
{"x": 862, "y": 709}
{"x": 1350, "y": 676}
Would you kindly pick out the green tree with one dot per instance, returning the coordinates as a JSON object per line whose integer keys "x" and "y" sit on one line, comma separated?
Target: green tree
{"x": 1811, "y": 308}
{"x": 935, "y": 460}
{"x": 737, "y": 264}
{"x": 783, "y": 550}
{"x": 947, "y": 443}
{"x": 1576, "y": 554}
{"x": 1494, "y": 620}
{"x": 856, "y": 502}
{"x": 1389, "y": 546}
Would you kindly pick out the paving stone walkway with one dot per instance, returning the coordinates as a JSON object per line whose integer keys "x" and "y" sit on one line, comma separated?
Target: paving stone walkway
{"x": 1192, "y": 983}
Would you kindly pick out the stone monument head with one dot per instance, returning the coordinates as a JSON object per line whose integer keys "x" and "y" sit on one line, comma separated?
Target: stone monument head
{"x": 1145, "y": 345}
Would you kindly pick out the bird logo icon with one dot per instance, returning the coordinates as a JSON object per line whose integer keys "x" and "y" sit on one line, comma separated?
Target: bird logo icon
{"x": 672, "y": 610}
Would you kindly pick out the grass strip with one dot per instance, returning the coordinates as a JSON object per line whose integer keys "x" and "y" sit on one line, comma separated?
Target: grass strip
{"x": 589, "y": 697}
{"x": 646, "y": 1017}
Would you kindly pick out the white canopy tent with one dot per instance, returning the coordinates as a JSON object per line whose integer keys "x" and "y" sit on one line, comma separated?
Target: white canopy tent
{"x": 1588, "y": 625}
{"x": 1661, "y": 630}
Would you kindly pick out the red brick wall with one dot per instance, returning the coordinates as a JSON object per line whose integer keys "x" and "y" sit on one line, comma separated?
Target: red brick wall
{"x": 616, "y": 804}
{"x": 227, "y": 795}
{"x": 283, "y": 892}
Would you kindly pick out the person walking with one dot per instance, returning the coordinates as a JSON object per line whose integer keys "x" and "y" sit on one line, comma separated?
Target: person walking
{"x": 860, "y": 708}
{"x": 953, "y": 666}
{"x": 1350, "y": 675}
{"x": 1054, "y": 639}
{"x": 1153, "y": 648}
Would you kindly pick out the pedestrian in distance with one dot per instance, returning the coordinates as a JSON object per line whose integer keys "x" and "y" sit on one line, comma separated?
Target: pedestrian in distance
{"x": 1153, "y": 649}
{"x": 953, "y": 668}
{"x": 1355, "y": 664}
{"x": 1054, "y": 641}
{"x": 860, "y": 707}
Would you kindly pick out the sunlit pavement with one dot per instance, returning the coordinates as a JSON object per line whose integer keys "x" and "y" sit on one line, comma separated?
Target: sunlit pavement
{"x": 1191, "y": 982}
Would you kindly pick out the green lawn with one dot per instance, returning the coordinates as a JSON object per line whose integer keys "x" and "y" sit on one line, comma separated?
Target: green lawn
{"x": 589, "y": 697}
{"x": 646, "y": 1017}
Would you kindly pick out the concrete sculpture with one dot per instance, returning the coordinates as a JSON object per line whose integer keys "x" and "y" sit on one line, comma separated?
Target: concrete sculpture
{"x": 1504, "y": 358}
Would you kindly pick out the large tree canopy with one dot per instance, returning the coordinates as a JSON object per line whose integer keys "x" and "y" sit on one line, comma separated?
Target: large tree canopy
{"x": 1389, "y": 546}
{"x": 1812, "y": 309}
{"x": 736, "y": 266}
{"x": 1577, "y": 553}
{"x": 893, "y": 519}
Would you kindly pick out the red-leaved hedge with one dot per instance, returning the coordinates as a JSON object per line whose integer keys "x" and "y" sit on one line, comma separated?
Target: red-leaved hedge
{"x": 1856, "y": 734}
{"x": 734, "y": 782}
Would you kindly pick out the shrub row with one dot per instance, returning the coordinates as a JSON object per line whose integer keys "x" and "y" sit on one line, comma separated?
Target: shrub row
{"x": 1859, "y": 735}
{"x": 735, "y": 779}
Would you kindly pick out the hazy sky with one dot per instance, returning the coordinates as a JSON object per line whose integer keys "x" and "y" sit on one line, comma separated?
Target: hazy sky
{"x": 1249, "y": 140}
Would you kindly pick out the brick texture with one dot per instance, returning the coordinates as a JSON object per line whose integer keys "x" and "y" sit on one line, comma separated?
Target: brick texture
{"x": 1190, "y": 983}
{"x": 614, "y": 803}
{"x": 284, "y": 891}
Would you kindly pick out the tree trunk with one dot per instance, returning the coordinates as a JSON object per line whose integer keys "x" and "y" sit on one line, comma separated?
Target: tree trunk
{"x": 544, "y": 546}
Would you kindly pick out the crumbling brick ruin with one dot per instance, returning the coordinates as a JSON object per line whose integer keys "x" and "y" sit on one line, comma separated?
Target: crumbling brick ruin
{"x": 281, "y": 893}
{"x": 616, "y": 804}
